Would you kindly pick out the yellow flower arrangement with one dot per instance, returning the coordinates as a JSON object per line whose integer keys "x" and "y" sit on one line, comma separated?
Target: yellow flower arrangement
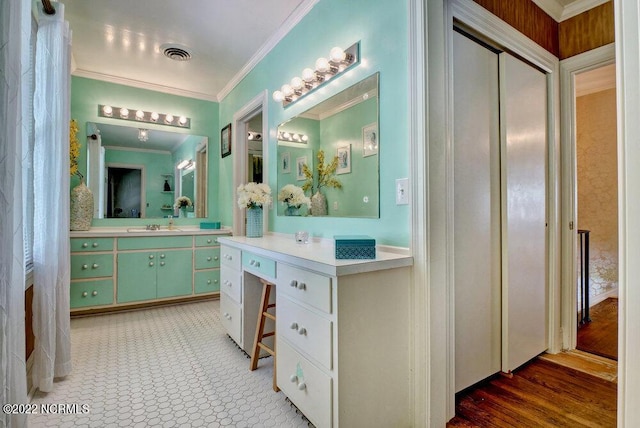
{"x": 74, "y": 148}
{"x": 326, "y": 173}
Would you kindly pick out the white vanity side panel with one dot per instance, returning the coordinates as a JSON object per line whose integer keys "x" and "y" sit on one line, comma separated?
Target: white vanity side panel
{"x": 374, "y": 338}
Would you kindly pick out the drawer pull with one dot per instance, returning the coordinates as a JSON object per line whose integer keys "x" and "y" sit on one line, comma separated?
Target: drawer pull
{"x": 228, "y": 257}
{"x": 293, "y": 283}
{"x": 293, "y": 378}
{"x": 95, "y": 266}
{"x": 294, "y": 326}
{"x": 84, "y": 294}
{"x": 215, "y": 258}
{"x": 228, "y": 283}
{"x": 209, "y": 258}
{"x": 227, "y": 316}
{"x": 208, "y": 241}
{"x": 94, "y": 245}
{"x": 150, "y": 256}
{"x": 208, "y": 281}
{"x": 85, "y": 266}
{"x": 254, "y": 263}
{"x": 95, "y": 293}
{"x": 161, "y": 263}
{"x": 150, "y": 263}
{"x": 162, "y": 256}
{"x": 302, "y": 386}
{"x": 302, "y": 286}
{"x": 302, "y": 331}
{"x": 85, "y": 245}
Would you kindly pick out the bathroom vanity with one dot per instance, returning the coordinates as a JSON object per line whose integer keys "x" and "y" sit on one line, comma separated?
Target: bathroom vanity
{"x": 343, "y": 340}
{"x": 117, "y": 267}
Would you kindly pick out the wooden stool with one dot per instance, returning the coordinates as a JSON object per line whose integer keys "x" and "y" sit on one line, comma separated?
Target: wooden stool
{"x": 260, "y": 334}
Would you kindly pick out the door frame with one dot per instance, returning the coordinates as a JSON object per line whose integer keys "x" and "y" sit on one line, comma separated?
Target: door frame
{"x": 569, "y": 67}
{"x": 240, "y": 163}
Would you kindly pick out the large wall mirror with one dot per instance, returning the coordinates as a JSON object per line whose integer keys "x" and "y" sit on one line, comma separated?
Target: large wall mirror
{"x": 345, "y": 125}
{"x": 139, "y": 173}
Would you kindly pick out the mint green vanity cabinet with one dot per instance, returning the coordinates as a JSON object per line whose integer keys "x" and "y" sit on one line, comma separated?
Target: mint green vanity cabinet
{"x": 92, "y": 272}
{"x": 206, "y": 281}
{"x": 206, "y": 264}
{"x": 91, "y": 244}
{"x": 96, "y": 292}
{"x": 175, "y": 273}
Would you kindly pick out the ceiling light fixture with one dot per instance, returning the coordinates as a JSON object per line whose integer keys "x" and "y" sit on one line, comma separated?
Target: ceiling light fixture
{"x": 143, "y": 134}
{"x": 339, "y": 61}
{"x": 143, "y": 116}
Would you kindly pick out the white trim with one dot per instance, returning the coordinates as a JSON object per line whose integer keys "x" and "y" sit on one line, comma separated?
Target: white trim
{"x": 134, "y": 149}
{"x": 551, "y": 7}
{"x": 239, "y": 142}
{"x": 559, "y": 13}
{"x": 441, "y": 170}
{"x": 594, "y": 300}
{"x": 293, "y": 19}
{"x": 143, "y": 85}
{"x": 568, "y": 69}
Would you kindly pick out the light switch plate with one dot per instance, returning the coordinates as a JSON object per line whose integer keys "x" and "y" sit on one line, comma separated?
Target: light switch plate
{"x": 402, "y": 191}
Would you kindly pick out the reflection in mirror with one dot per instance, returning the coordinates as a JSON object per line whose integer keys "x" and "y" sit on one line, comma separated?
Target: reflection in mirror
{"x": 346, "y": 126}
{"x": 136, "y": 176}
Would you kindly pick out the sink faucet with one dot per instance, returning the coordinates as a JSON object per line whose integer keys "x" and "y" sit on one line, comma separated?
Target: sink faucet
{"x": 153, "y": 227}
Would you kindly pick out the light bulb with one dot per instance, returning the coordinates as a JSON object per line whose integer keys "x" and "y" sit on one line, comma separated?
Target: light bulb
{"x": 182, "y": 164}
{"x": 278, "y": 96}
{"x": 124, "y": 113}
{"x": 287, "y": 90}
{"x": 286, "y": 135}
{"x": 182, "y": 120}
{"x": 139, "y": 114}
{"x": 337, "y": 54}
{"x": 297, "y": 83}
{"x": 308, "y": 75}
{"x": 304, "y": 137}
{"x": 107, "y": 110}
{"x": 250, "y": 136}
{"x": 168, "y": 118}
{"x": 322, "y": 65}
{"x": 154, "y": 116}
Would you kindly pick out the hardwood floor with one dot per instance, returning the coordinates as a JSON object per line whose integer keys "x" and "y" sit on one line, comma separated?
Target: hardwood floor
{"x": 540, "y": 394}
{"x": 600, "y": 336}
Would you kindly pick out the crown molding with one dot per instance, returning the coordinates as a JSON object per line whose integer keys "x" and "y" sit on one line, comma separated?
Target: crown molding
{"x": 293, "y": 19}
{"x": 559, "y": 13}
{"x": 143, "y": 85}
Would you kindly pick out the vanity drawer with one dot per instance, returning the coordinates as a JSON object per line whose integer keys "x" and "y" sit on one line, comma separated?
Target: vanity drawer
{"x": 306, "y": 330}
{"x": 207, "y": 258}
{"x": 147, "y": 243}
{"x": 207, "y": 281}
{"x": 306, "y": 386}
{"x": 231, "y": 317}
{"x": 91, "y": 244}
{"x": 231, "y": 283}
{"x": 91, "y": 293}
{"x": 207, "y": 240}
{"x": 230, "y": 257}
{"x": 308, "y": 287}
{"x": 258, "y": 264}
{"x": 91, "y": 265}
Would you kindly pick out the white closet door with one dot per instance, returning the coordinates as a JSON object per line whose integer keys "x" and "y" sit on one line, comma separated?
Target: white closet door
{"x": 477, "y": 269}
{"x": 523, "y": 107}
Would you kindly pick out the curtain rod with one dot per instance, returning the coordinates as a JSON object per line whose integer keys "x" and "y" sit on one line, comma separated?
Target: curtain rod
{"x": 48, "y": 8}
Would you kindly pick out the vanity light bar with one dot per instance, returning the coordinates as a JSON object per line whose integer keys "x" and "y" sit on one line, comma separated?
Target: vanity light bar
{"x": 292, "y": 137}
{"x": 339, "y": 61}
{"x": 143, "y": 116}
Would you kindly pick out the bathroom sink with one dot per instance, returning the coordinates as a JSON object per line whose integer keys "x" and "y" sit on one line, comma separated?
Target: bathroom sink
{"x": 145, "y": 230}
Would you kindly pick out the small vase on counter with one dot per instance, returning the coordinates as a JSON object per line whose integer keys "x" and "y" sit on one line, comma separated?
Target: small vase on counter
{"x": 254, "y": 222}
{"x": 81, "y": 208}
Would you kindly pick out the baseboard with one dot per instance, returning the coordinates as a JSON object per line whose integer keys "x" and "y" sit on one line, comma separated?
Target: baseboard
{"x": 594, "y": 300}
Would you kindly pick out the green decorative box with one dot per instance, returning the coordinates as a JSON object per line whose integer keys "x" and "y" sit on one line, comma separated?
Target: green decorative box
{"x": 355, "y": 247}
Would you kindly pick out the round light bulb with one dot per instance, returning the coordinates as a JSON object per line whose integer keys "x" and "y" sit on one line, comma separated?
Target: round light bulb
{"x": 278, "y": 96}
{"x": 322, "y": 65}
{"x": 168, "y": 118}
{"x": 182, "y": 120}
{"x": 154, "y": 116}
{"x": 286, "y": 135}
{"x": 297, "y": 83}
{"x": 249, "y": 136}
{"x": 124, "y": 113}
{"x": 308, "y": 75}
{"x": 139, "y": 114}
{"x": 287, "y": 90}
{"x": 304, "y": 137}
{"x": 337, "y": 54}
{"x": 107, "y": 110}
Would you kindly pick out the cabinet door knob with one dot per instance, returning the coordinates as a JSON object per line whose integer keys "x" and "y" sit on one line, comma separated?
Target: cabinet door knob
{"x": 85, "y": 266}
{"x": 95, "y": 266}
{"x": 293, "y": 283}
{"x": 209, "y": 258}
{"x": 150, "y": 263}
{"x": 95, "y": 293}
{"x": 94, "y": 245}
{"x": 208, "y": 281}
{"x": 208, "y": 241}
{"x": 302, "y": 331}
{"x": 161, "y": 263}
{"x": 85, "y": 245}
{"x": 84, "y": 294}
{"x": 162, "y": 256}
{"x": 215, "y": 258}
{"x": 294, "y": 326}
{"x": 151, "y": 256}
{"x": 215, "y": 281}
{"x": 293, "y": 378}
{"x": 302, "y": 386}
{"x": 302, "y": 286}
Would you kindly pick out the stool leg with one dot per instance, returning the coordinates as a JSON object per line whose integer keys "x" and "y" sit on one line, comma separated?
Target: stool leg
{"x": 275, "y": 380}
{"x": 266, "y": 290}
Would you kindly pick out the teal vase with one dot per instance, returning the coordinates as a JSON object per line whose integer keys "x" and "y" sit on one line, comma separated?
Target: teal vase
{"x": 292, "y": 210}
{"x": 254, "y": 222}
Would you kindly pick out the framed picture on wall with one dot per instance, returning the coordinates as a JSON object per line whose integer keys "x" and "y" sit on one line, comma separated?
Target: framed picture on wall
{"x": 344, "y": 159}
{"x": 225, "y": 141}
{"x": 370, "y": 140}
{"x": 300, "y": 162}
{"x": 285, "y": 163}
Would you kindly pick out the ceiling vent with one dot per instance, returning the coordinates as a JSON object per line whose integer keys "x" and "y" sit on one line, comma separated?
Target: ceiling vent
{"x": 176, "y": 52}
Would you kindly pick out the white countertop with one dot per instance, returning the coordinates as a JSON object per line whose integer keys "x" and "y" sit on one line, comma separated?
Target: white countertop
{"x": 318, "y": 254}
{"x": 133, "y": 231}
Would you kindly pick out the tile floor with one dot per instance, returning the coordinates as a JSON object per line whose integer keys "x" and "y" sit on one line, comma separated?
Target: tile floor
{"x": 172, "y": 366}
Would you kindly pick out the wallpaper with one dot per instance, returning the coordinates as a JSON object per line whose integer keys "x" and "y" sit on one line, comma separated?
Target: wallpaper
{"x": 598, "y": 186}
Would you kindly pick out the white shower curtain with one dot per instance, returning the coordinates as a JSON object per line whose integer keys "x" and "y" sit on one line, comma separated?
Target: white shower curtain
{"x": 14, "y": 62}
{"x": 51, "y": 325}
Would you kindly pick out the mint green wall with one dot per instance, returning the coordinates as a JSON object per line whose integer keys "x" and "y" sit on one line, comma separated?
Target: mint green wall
{"x": 86, "y": 94}
{"x": 155, "y": 164}
{"x": 382, "y": 29}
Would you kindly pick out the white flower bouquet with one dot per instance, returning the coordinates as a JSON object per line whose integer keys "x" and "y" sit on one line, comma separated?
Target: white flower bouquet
{"x": 252, "y": 195}
{"x": 183, "y": 202}
{"x": 293, "y": 196}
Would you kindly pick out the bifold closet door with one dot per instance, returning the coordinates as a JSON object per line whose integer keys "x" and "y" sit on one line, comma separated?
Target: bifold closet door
{"x": 523, "y": 102}
{"x": 477, "y": 268}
